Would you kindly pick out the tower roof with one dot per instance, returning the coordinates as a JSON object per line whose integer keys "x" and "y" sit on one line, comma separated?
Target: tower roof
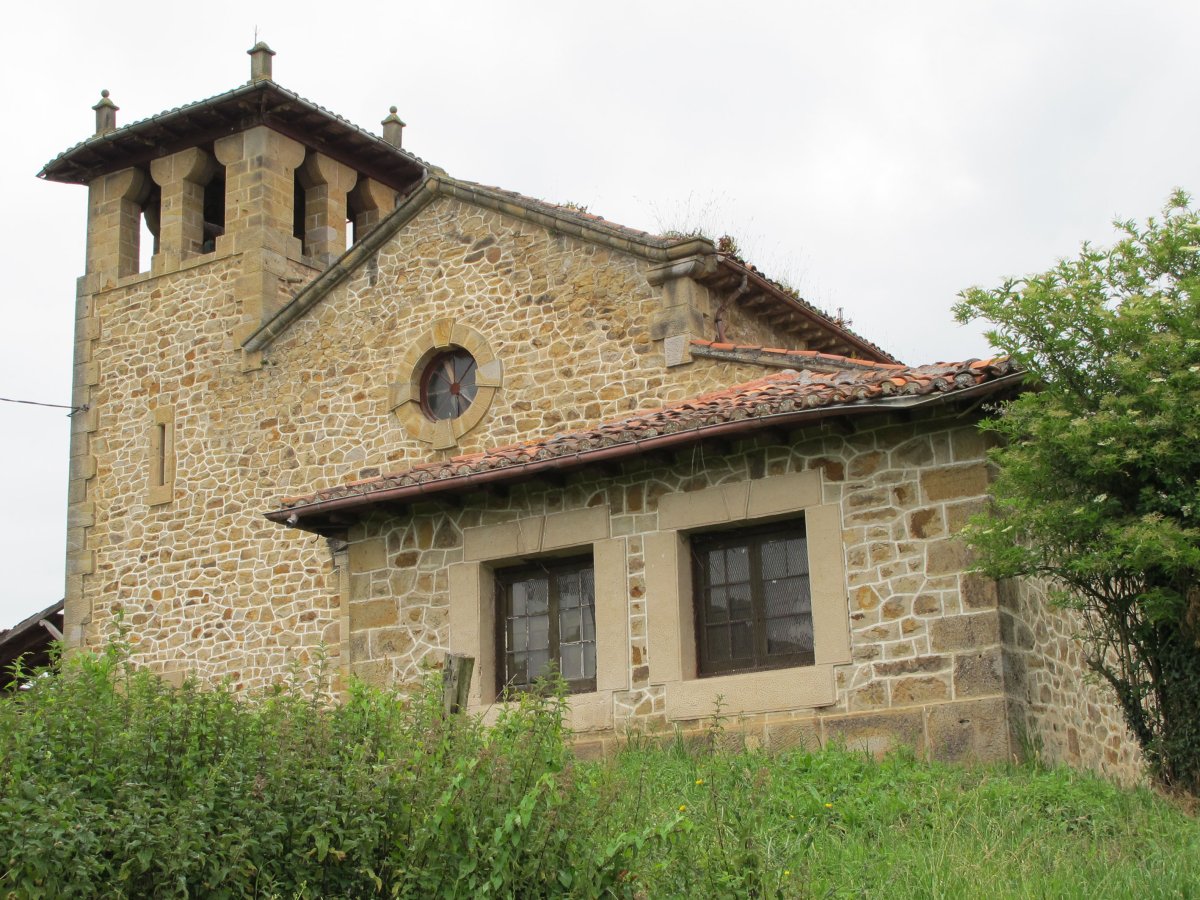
{"x": 258, "y": 103}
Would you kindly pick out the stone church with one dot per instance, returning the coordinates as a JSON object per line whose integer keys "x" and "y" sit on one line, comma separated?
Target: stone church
{"x": 356, "y": 407}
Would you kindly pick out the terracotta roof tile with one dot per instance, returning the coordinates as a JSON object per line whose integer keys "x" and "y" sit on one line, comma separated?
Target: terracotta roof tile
{"x": 786, "y": 391}
{"x": 777, "y": 356}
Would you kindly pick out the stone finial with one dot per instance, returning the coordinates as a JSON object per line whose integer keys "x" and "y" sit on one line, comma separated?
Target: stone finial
{"x": 393, "y": 128}
{"x": 106, "y": 114}
{"x": 260, "y": 62}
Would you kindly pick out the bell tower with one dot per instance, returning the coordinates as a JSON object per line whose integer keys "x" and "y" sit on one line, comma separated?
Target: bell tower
{"x": 247, "y": 196}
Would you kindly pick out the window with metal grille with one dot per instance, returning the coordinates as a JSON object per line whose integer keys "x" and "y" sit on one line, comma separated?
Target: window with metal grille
{"x": 546, "y": 618}
{"x": 753, "y": 599}
{"x": 448, "y": 384}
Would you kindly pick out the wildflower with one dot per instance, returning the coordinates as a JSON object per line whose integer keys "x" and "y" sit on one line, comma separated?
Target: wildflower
{"x": 829, "y": 806}
{"x": 699, "y": 781}
{"x": 682, "y": 807}
{"x": 787, "y": 873}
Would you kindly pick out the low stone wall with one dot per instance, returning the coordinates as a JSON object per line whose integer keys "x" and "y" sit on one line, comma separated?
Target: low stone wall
{"x": 1059, "y": 709}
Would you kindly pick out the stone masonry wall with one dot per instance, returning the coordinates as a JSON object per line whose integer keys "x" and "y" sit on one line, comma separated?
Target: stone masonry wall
{"x": 925, "y": 638}
{"x": 210, "y": 587}
{"x": 1063, "y": 711}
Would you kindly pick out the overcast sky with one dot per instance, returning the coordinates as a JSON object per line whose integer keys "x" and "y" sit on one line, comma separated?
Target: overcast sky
{"x": 881, "y": 156}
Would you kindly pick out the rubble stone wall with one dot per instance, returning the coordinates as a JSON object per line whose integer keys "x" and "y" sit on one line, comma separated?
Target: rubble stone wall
{"x": 1060, "y": 710}
{"x": 925, "y": 667}
{"x": 206, "y": 584}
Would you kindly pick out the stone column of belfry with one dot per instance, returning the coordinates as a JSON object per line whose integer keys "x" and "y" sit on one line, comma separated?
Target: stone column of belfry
{"x": 326, "y": 183}
{"x": 114, "y": 225}
{"x": 370, "y": 201}
{"x": 181, "y": 178}
{"x": 260, "y": 166}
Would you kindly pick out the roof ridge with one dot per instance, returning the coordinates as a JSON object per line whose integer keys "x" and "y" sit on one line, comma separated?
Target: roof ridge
{"x": 589, "y": 218}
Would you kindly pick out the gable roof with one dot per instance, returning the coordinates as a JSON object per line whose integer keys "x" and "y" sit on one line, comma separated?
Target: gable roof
{"x": 564, "y": 220}
{"x": 787, "y": 398}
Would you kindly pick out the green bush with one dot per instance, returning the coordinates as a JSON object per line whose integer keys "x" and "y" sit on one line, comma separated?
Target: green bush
{"x": 114, "y": 784}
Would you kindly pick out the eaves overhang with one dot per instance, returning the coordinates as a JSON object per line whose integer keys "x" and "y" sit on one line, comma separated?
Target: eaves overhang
{"x": 846, "y": 342}
{"x": 200, "y": 123}
{"x": 332, "y": 516}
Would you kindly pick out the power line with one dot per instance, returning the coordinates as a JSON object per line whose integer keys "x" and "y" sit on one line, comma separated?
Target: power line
{"x": 73, "y": 409}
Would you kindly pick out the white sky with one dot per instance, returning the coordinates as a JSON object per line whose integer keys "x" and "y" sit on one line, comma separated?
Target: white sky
{"x": 882, "y": 156}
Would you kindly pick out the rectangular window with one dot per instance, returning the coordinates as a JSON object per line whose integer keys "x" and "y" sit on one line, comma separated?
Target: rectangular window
{"x": 162, "y": 455}
{"x": 546, "y": 616}
{"x": 753, "y": 599}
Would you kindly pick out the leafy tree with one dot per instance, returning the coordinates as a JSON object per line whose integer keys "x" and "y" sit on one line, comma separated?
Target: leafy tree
{"x": 1098, "y": 488}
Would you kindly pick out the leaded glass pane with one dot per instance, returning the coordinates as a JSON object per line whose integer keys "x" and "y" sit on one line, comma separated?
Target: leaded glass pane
{"x": 717, "y": 643}
{"x": 739, "y": 601}
{"x": 789, "y": 635}
{"x": 716, "y": 567}
{"x": 539, "y": 633}
{"x": 572, "y": 661}
{"x": 537, "y": 597}
{"x": 589, "y": 660}
{"x": 718, "y": 605}
{"x": 569, "y": 622}
{"x": 737, "y": 564}
{"x": 568, "y": 590}
{"x": 741, "y": 641}
{"x": 588, "y": 629}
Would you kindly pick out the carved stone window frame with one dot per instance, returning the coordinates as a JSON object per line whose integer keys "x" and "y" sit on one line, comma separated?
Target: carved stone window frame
{"x": 473, "y": 608}
{"x": 671, "y": 630}
{"x": 441, "y": 336}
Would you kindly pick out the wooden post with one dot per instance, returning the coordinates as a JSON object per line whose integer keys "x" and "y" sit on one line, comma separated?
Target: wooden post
{"x": 456, "y": 682}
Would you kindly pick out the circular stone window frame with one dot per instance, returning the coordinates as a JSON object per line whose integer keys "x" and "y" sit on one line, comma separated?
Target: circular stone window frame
{"x": 444, "y": 335}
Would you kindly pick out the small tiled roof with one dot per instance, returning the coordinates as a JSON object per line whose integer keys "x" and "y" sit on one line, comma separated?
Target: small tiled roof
{"x": 782, "y": 358}
{"x": 30, "y": 640}
{"x": 782, "y": 398}
{"x": 841, "y": 330}
{"x": 836, "y": 325}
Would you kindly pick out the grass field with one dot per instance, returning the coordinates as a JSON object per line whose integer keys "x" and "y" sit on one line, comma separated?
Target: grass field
{"x": 113, "y": 784}
{"x": 841, "y": 824}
